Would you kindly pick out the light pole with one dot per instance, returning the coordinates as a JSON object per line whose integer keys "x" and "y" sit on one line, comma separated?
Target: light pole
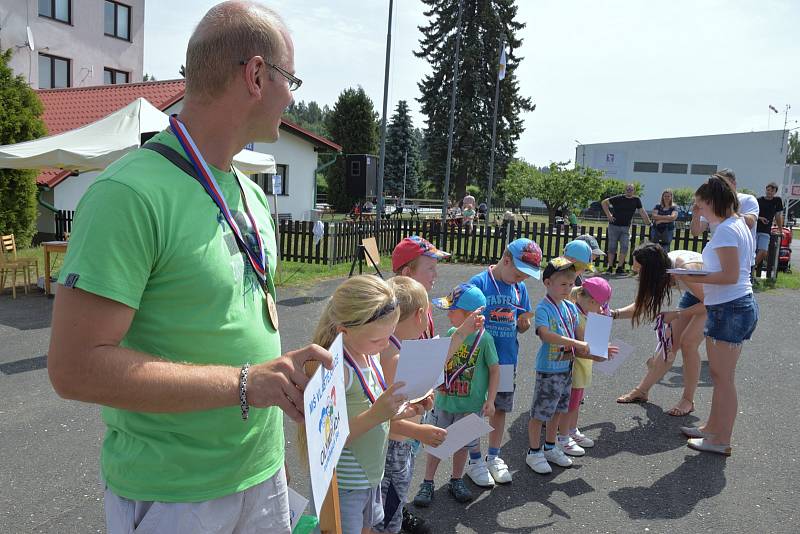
{"x": 383, "y": 121}
{"x": 405, "y": 164}
{"x": 583, "y": 153}
{"x": 494, "y": 128}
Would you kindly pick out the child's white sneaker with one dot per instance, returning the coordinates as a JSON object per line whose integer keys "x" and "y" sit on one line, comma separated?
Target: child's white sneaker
{"x": 479, "y": 474}
{"x": 538, "y": 463}
{"x": 557, "y": 456}
{"x": 499, "y": 470}
{"x": 570, "y": 447}
{"x": 582, "y": 439}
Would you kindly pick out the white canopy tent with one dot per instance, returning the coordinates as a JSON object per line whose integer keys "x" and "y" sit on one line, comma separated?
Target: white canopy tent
{"x": 98, "y": 144}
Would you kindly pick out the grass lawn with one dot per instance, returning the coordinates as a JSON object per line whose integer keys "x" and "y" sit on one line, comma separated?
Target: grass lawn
{"x": 784, "y": 281}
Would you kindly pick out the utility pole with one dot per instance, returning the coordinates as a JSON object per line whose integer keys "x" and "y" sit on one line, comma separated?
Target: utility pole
{"x": 379, "y": 207}
{"x": 494, "y": 129}
{"x": 405, "y": 164}
{"x": 446, "y": 193}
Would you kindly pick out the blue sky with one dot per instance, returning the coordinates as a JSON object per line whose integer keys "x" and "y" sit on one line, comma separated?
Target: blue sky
{"x": 598, "y": 71}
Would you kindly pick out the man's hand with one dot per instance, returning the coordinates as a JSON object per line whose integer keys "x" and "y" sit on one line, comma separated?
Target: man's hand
{"x": 280, "y": 382}
{"x": 432, "y": 436}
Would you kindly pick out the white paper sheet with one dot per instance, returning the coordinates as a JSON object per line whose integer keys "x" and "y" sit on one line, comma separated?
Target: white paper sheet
{"x": 326, "y": 422}
{"x": 597, "y": 334}
{"x": 698, "y": 272}
{"x": 421, "y": 365}
{"x": 609, "y": 367}
{"x": 506, "y": 378}
{"x": 297, "y": 505}
{"x": 459, "y": 434}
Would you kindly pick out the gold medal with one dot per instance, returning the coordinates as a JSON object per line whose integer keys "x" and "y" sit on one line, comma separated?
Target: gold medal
{"x": 272, "y": 310}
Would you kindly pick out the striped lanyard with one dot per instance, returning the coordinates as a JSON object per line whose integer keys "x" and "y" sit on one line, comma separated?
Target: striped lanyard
{"x": 570, "y": 331}
{"x": 360, "y": 375}
{"x": 394, "y": 341}
{"x": 428, "y": 334}
{"x": 663, "y": 335}
{"x": 451, "y": 377}
{"x": 516, "y": 290}
{"x": 258, "y": 258}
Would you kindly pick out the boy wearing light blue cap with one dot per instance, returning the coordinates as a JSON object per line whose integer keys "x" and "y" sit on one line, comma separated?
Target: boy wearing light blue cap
{"x": 470, "y": 386}
{"x": 581, "y": 254}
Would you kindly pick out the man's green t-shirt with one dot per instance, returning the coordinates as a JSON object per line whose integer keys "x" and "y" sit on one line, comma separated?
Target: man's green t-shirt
{"x": 468, "y": 391}
{"x": 148, "y": 235}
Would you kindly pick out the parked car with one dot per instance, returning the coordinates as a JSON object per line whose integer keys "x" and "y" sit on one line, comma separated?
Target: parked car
{"x": 684, "y": 215}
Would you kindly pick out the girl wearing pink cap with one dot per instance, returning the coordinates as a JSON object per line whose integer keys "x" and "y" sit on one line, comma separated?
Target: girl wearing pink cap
{"x": 591, "y": 297}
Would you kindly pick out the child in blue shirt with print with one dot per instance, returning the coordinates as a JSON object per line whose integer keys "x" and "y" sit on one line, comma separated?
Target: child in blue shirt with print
{"x": 508, "y": 312}
{"x": 558, "y": 326}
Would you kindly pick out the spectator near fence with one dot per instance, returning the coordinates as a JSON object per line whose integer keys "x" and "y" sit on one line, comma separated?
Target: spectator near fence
{"x": 770, "y": 208}
{"x": 664, "y": 215}
{"x": 619, "y": 225}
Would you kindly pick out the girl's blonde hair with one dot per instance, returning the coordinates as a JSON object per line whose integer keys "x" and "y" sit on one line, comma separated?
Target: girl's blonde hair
{"x": 410, "y": 294}
{"x": 357, "y": 301}
{"x": 576, "y": 292}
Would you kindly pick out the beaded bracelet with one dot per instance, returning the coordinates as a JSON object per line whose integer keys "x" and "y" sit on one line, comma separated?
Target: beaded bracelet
{"x": 243, "y": 391}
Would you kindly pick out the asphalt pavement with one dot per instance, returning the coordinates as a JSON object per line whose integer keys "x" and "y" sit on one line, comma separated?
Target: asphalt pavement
{"x": 640, "y": 477}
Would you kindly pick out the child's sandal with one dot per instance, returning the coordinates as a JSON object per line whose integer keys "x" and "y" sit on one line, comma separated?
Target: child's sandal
{"x": 677, "y": 412}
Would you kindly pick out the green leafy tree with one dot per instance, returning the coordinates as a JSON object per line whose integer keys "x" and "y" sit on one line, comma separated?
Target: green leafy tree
{"x": 683, "y": 197}
{"x": 402, "y": 154}
{"x": 20, "y": 120}
{"x": 794, "y": 150}
{"x": 557, "y": 187}
{"x": 484, "y": 21}
{"x": 309, "y": 116}
{"x": 353, "y": 124}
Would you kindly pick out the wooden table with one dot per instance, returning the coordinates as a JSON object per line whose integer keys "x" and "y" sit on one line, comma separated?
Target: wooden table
{"x": 55, "y": 247}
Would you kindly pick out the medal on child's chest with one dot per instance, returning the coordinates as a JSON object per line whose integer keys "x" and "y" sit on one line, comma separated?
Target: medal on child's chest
{"x": 272, "y": 310}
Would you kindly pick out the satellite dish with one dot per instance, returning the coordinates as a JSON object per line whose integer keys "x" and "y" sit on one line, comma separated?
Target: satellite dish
{"x": 30, "y": 38}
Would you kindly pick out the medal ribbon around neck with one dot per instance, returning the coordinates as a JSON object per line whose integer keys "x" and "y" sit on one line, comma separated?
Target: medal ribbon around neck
{"x": 451, "y": 377}
{"x": 516, "y": 290}
{"x": 570, "y": 332}
{"x": 394, "y": 341}
{"x": 428, "y": 334}
{"x": 258, "y": 258}
{"x": 360, "y": 375}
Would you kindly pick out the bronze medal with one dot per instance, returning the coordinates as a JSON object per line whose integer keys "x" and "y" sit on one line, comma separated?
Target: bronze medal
{"x": 272, "y": 311}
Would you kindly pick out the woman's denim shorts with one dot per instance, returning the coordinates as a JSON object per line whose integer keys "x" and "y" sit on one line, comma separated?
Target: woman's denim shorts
{"x": 732, "y": 322}
{"x": 687, "y": 301}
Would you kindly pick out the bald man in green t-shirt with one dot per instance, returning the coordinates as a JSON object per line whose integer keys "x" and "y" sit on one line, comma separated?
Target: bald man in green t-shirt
{"x": 163, "y": 319}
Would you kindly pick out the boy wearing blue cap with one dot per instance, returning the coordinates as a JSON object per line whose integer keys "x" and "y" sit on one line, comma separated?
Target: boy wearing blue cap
{"x": 581, "y": 254}
{"x": 508, "y": 312}
{"x": 470, "y": 386}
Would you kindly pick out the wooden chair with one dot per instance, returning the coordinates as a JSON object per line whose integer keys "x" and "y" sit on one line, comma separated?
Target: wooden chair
{"x": 11, "y": 268}
{"x": 8, "y": 246}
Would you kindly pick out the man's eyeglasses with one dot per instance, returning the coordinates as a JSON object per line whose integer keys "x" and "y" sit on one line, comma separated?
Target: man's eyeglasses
{"x": 294, "y": 81}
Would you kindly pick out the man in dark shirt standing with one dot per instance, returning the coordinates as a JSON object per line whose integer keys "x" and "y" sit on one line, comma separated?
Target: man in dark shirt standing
{"x": 619, "y": 225}
{"x": 769, "y": 207}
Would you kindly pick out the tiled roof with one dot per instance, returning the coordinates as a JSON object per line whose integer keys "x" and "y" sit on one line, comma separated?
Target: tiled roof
{"x": 67, "y": 109}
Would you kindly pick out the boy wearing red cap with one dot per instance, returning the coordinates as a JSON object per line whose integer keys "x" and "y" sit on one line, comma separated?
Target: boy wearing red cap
{"x": 416, "y": 258}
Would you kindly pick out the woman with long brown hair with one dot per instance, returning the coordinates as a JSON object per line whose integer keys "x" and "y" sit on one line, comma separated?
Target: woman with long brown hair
{"x": 664, "y": 215}
{"x": 654, "y": 291}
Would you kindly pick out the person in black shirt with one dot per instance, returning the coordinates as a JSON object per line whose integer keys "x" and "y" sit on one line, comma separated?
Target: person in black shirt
{"x": 769, "y": 207}
{"x": 664, "y": 215}
{"x": 619, "y": 225}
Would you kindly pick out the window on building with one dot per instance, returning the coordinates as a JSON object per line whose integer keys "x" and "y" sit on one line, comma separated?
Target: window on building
{"x": 60, "y": 10}
{"x": 117, "y": 20}
{"x": 645, "y": 166}
{"x": 675, "y": 168}
{"x": 703, "y": 170}
{"x": 54, "y": 72}
{"x": 114, "y": 77}
{"x": 264, "y": 181}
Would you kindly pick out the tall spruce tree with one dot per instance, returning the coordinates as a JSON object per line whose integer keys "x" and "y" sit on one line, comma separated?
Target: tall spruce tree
{"x": 20, "y": 112}
{"x": 484, "y": 21}
{"x": 352, "y": 123}
{"x": 401, "y": 141}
